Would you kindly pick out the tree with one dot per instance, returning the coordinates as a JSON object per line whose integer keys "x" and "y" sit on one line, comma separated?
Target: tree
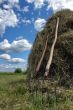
{"x": 18, "y": 70}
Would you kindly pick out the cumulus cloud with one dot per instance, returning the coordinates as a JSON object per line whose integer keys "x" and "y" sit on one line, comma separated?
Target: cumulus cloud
{"x": 5, "y": 45}
{"x": 20, "y": 45}
{"x": 57, "y": 5}
{"x": 37, "y": 3}
{"x": 16, "y": 46}
{"x": 7, "y": 19}
{"x": 17, "y": 60}
{"x": 7, "y": 57}
{"x": 39, "y": 24}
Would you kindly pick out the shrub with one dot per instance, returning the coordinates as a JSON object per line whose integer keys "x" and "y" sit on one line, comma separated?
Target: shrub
{"x": 18, "y": 70}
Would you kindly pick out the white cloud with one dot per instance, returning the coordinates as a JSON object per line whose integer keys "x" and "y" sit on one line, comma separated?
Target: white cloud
{"x": 39, "y": 24}
{"x": 26, "y": 9}
{"x": 5, "y": 57}
{"x": 12, "y": 66}
{"x": 13, "y": 3}
{"x": 57, "y": 5}
{"x": 30, "y": 1}
{"x": 17, "y": 60}
{"x": 16, "y": 46}
{"x": 6, "y": 6}
{"x": 5, "y": 45}
{"x": 20, "y": 45}
{"x": 10, "y": 3}
{"x": 7, "y": 19}
{"x": 37, "y": 3}
{"x": 26, "y": 21}
{"x": 8, "y": 58}
{"x": 19, "y": 38}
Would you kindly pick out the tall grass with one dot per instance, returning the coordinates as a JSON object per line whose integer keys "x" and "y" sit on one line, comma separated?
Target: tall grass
{"x": 15, "y": 95}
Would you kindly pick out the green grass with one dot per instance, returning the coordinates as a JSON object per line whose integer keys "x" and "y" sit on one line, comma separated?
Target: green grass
{"x": 14, "y": 95}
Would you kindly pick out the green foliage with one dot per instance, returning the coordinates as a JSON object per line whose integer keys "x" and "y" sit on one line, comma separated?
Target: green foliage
{"x": 18, "y": 70}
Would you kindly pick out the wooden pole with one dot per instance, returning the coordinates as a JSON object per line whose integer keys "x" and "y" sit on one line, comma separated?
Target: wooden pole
{"x": 52, "y": 50}
{"x": 39, "y": 64}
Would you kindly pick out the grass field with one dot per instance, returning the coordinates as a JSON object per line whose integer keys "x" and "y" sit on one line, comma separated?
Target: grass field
{"x": 14, "y": 95}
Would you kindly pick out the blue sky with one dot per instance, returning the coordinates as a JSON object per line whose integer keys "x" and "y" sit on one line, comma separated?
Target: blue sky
{"x": 20, "y": 21}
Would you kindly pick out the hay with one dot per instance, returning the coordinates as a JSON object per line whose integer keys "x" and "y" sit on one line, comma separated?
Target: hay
{"x": 62, "y": 64}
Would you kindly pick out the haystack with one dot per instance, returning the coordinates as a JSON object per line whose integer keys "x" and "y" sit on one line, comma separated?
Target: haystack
{"x": 62, "y": 63}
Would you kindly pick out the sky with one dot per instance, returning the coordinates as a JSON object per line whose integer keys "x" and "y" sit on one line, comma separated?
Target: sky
{"x": 20, "y": 21}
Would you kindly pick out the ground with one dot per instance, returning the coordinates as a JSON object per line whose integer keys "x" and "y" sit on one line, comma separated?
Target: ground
{"x": 14, "y": 95}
